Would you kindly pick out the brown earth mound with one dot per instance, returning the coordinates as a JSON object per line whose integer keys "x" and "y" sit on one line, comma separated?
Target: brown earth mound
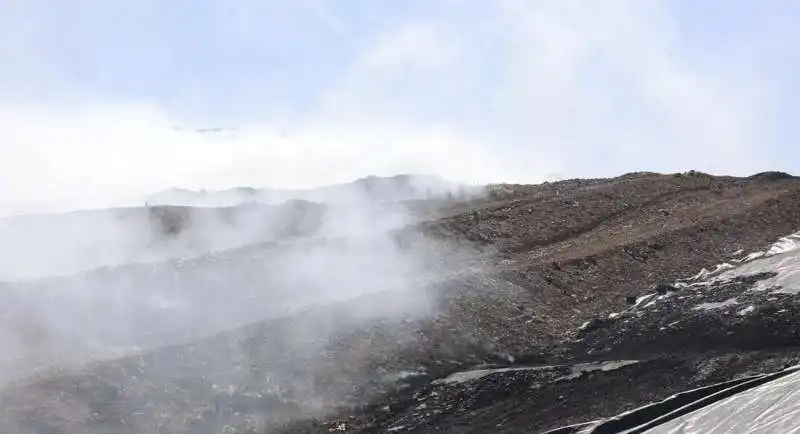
{"x": 542, "y": 260}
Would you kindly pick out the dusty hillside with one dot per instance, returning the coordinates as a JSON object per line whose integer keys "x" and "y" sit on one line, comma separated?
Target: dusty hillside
{"x": 511, "y": 277}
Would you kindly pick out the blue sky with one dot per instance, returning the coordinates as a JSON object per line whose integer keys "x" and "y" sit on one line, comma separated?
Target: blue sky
{"x": 327, "y": 91}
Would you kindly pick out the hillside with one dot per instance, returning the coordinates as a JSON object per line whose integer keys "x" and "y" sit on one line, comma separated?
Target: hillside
{"x": 187, "y": 224}
{"x": 373, "y": 188}
{"x": 404, "y": 329}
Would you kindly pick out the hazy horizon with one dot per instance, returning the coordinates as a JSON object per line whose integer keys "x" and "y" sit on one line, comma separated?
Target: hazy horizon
{"x": 316, "y": 92}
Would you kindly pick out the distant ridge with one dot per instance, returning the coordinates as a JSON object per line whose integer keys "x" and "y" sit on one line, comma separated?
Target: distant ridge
{"x": 377, "y": 188}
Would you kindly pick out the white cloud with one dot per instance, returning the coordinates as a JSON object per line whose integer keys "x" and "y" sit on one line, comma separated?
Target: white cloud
{"x": 119, "y": 154}
{"x": 575, "y": 88}
{"x": 606, "y": 87}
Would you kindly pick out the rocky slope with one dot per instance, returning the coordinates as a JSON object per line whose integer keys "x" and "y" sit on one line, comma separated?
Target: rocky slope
{"x": 503, "y": 327}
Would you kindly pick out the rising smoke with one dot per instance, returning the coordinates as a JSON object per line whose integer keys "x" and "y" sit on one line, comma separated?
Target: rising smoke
{"x": 96, "y": 285}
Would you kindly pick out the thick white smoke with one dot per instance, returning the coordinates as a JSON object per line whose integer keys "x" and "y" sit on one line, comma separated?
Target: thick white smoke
{"x": 100, "y": 284}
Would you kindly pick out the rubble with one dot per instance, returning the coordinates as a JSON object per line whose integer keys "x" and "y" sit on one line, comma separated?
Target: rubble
{"x": 571, "y": 302}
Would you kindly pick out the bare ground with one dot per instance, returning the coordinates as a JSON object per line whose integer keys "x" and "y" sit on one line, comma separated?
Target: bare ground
{"x": 542, "y": 260}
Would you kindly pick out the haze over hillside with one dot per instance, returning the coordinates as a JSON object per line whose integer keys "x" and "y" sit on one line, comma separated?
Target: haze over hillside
{"x": 508, "y": 307}
{"x": 576, "y": 209}
{"x": 386, "y": 189}
{"x": 45, "y": 245}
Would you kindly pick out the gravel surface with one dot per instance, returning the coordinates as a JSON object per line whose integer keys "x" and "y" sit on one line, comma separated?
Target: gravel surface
{"x": 527, "y": 323}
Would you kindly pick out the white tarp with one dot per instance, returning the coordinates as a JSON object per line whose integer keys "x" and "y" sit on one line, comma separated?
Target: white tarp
{"x": 771, "y": 408}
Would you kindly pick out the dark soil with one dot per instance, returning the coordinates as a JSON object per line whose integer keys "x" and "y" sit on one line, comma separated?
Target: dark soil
{"x": 534, "y": 264}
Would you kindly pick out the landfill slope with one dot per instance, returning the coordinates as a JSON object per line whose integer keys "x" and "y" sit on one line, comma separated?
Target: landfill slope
{"x": 530, "y": 325}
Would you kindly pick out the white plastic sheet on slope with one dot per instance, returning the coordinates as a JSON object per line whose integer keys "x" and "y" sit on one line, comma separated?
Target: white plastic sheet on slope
{"x": 771, "y": 408}
{"x": 787, "y": 244}
{"x": 577, "y": 371}
{"x": 783, "y": 257}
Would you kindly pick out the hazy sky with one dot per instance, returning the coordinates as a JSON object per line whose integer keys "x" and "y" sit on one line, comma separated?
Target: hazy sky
{"x": 327, "y": 91}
